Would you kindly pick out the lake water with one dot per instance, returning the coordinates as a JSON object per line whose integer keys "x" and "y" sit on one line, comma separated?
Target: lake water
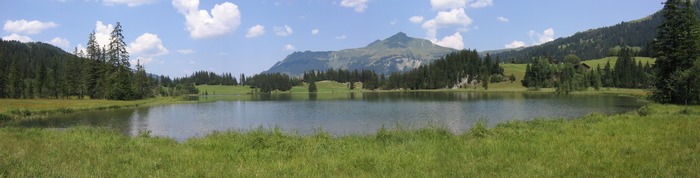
{"x": 342, "y": 114}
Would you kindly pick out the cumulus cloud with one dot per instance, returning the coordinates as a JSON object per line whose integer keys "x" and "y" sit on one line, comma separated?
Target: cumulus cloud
{"x": 283, "y": 31}
{"x": 130, "y": 3}
{"x": 416, "y": 19}
{"x": 454, "y": 17}
{"x": 147, "y": 46}
{"x": 27, "y": 27}
{"x": 315, "y": 31}
{"x": 61, "y": 43}
{"x": 185, "y": 51}
{"x": 503, "y": 19}
{"x": 446, "y": 18}
{"x": 539, "y": 38}
{"x": 102, "y": 33}
{"x": 17, "y": 37}
{"x": 341, "y": 37}
{"x": 255, "y": 31}
{"x": 515, "y": 44}
{"x": 453, "y": 41}
{"x": 481, "y": 3}
{"x": 288, "y": 47}
{"x": 224, "y": 18}
{"x": 358, "y": 5}
{"x": 447, "y": 4}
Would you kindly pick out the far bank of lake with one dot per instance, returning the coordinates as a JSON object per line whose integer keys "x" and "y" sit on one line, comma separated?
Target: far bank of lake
{"x": 340, "y": 113}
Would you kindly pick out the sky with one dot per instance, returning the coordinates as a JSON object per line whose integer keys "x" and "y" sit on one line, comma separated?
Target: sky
{"x": 179, "y": 37}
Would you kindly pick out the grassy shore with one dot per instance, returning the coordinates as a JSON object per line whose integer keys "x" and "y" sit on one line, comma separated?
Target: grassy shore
{"x": 37, "y": 108}
{"x": 656, "y": 141}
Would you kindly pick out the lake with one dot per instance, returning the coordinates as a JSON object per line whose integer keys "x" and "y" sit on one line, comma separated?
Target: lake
{"x": 341, "y": 113}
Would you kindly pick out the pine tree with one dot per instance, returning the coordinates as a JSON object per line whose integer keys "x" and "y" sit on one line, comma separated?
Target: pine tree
{"x": 40, "y": 80}
{"x": 14, "y": 79}
{"x": 677, "y": 48}
{"x": 312, "y": 87}
{"x": 3, "y": 80}
{"x": 118, "y": 56}
{"x": 119, "y": 59}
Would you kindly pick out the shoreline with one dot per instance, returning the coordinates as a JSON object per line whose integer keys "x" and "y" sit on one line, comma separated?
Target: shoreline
{"x": 16, "y": 109}
{"x": 653, "y": 140}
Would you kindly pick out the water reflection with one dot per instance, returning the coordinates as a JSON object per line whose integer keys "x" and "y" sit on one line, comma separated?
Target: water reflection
{"x": 341, "y": 113}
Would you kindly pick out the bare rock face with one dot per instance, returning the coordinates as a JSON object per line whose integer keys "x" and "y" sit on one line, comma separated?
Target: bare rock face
{"x": 397, "y": 53}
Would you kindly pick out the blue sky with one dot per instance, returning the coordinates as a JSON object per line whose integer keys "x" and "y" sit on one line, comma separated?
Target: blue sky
{"x": 178, "y": 37}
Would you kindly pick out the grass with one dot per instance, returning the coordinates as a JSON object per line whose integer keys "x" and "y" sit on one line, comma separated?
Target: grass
{"x": 37, "y": 108}
{"x": 664, "y": 141}
{"x": 603, "y": 61}
{"x": 224, "y": 90}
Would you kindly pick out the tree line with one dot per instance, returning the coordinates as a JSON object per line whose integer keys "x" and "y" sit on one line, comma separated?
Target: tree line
{"x": 572, "y": 75}
{"x": 458, "y": 69}
{"x": 208, "y": 78}
{"x": 102, "y": 71}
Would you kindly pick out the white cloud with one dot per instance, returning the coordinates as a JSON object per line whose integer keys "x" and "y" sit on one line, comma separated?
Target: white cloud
{"x": 102, "y": 33}
{"x": 17, "y": 37}
{"x": 60, "y": 42}
{"x": 515, "y": 44}
{"x": 393, "y": 22}
{"x": 315, "y": 31}
{"x": 255, "y": 31}
{"x": 288, "y": 47}
{"x": 224, "y": 18}
{"x": 446, "y": 18}
{"x": 454, "y": 17}
{"x": 546, "y": 36}
{"x": 27, "y": 27}
{"x": 481, "y": 3}
{"x": 454, "y": 41}
{"x": 416, "y": 19}
{"x": 130, "y": 3}
{"x": 147, "y": 46}
{"x": 503, "y": 19}
{"x": 185, "y": 51}
{"x": 359, "y": 5}
{"x": 447, "y": 4}
{"x": 341, "y": 37}
{"x": 283, "y": 31}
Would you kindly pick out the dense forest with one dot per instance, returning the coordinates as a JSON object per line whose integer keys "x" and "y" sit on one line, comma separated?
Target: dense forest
{"x": 457, "y": 69}
{"x": 208, "y": 78}
{"x": 572, "y": 75}
{"x": 102, "y": 71}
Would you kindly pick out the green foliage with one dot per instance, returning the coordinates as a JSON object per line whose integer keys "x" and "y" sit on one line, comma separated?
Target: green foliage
{"x": 454, "y": 70}
{"x": 540, "y": 74}
{"x": 677, "y": 50}
{"x": 270, "y": 82}
{"x": 312, "y": 87}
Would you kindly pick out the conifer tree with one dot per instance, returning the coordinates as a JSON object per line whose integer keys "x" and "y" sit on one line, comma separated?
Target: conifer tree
{"x": 677, "y": 48}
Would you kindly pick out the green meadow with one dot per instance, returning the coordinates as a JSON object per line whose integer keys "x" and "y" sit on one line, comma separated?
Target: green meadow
{"x": 655, "y": 141}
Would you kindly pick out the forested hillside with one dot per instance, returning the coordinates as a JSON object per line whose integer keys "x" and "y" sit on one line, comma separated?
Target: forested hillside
{"x": 595, "y": 43}
{"x": 102, "y": 71}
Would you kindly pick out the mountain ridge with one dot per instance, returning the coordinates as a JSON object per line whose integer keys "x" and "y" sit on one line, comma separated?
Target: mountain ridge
{"x": 594, "y": 43}
{"x": 397, "y": 53}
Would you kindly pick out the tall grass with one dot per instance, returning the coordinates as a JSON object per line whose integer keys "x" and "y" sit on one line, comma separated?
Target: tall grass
{"x": 663, "y": 142}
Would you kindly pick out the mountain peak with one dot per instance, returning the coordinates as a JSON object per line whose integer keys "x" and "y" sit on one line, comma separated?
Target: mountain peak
{"x": 398, "y": 38}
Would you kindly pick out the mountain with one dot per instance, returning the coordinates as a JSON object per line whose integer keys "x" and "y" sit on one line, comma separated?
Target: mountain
{"x": 594, "y": 43}
{"x": 397, "y": 53}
